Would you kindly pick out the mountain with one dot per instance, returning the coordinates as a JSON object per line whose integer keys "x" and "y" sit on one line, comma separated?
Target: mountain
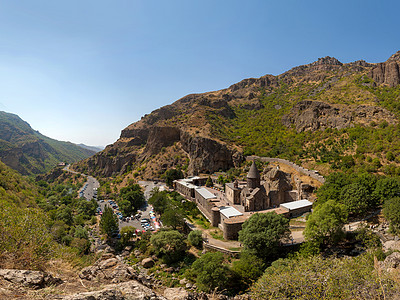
{"x": 30, "y": 152}
{"x": 92, "y": 148}
{"x": 324, "y": 115}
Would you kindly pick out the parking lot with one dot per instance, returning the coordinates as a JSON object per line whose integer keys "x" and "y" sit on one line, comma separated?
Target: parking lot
{"x": 145, "y": 213}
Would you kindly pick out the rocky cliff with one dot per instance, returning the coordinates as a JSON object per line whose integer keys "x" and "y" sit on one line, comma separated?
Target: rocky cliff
{"x": 211, "y": 131}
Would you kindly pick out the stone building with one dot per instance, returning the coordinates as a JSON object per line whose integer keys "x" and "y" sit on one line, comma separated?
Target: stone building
{"x": 241, "y": 199}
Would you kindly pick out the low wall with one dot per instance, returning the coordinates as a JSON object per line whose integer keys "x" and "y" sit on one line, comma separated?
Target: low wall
{"x": 313, "y": 174}
{"x": 209, "y": 247}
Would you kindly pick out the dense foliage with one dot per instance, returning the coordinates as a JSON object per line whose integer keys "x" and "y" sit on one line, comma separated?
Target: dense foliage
{"x": 169, "y": 245}
{"x": 325, "y": 224}
{"x": 325, "y": 278}
{"x": 261, "y": 234}
{"x": 131, "y": 199}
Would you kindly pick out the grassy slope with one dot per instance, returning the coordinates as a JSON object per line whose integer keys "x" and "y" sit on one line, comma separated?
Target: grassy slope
{"x": 44, "y": 153}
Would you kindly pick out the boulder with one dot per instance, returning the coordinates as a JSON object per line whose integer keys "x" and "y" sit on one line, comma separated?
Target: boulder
{"x": 148, "y": 263}
{"x": 109, "y": 263}
{"x": 176, "y": 294}
{"x": 391, "y": 262}
{"x": 31, "y": 279}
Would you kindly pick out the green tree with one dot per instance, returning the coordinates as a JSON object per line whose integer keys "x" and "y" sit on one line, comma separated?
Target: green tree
{"x": 171, "y": 175}
{"x": 325, "y": 224}
{"x": 173, "y": 217}
{"x": 356, "y": 199}
{"x": 64, "y": 213}
{"x": 159, "y": 200}
{"x": 109, "y": 221}
{"x": 387, "y": 188}
{"x": 195, "y": 238}
{"x": 209, "y": 272}
{"x": 261, "y": 234}
{"x": 391, "y": 210}
{"x": 169, "y": 245}
{"x": 209, "y": 182}
{"x": 249, "y": 268}
{"x": 127, "y": 233}
{"x": 134, "y": 195}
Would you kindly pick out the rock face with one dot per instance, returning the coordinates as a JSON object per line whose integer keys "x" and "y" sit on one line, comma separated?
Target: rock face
{"x": 387, "y": 72}
{"x": 315, "y": 115}
{"x": 30, "y": 279}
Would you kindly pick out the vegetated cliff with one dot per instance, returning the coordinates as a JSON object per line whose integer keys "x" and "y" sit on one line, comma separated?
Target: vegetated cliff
{"x": 264, "y": 116}
{"x": 30, "y": 152}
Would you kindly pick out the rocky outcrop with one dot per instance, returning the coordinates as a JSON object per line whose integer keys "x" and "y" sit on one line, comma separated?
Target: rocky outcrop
{"x": 315, "y": 115}
{"x": 388, "y": 72}
{"x": 207, "y": 155}
{"x": 131, "y": 290}
{"x": 159, "y": 137}
{"x": 30, "y": 279}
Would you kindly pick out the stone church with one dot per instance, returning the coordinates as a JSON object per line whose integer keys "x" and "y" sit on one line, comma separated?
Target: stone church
{"x": 256, "y": 195}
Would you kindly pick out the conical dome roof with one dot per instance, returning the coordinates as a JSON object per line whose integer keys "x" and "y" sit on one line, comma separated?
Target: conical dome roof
{"x": 253, "y": 172}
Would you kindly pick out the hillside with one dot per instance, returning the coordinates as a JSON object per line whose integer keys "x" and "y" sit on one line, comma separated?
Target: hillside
{"x": 324, "y": 115}
{"x": 30, "y": 152}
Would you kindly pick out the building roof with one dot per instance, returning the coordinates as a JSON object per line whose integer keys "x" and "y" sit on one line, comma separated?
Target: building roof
{"x": 186, "y": 183}
{"x": 206, "y": 194}
{"x": 229, "y": 211}
{"x": 296, "y": 204}
{"x": 253, "y": 172}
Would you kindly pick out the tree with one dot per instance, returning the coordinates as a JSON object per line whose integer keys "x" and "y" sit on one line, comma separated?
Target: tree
{"x": 169, "y": 245}
{"x": 261, "y": 233}
{"x": 131, "y": 198}
{"x": 249, "y": 268}
{"x": 127, "y": 233}
{"x": 171, "y": 175}
{"x": 209, "y": 272}
{"x": 209, "y": 182}
{"x": 159, "y": 200}
{"x": 109, "y": 221}
{"x": 325, "y": 224}
{"x": 387, "y": 188}
{"x": 391, "y": 210}
{"x": 173, "y": 217}
{"x": 356, "y": 199}
{"x": 195, "y": 238}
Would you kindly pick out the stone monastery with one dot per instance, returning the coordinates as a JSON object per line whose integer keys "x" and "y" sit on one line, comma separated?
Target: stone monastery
{"x": 229, "y": 210}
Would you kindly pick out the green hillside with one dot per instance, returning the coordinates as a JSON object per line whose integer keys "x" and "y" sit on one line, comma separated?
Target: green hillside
{"x": 30, "y": 152}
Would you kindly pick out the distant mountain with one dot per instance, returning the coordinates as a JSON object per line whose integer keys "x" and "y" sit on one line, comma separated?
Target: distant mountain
{"x": 30, "y": 152}
{"x": 92, "y": 148}
{"x": 325, "y": 115}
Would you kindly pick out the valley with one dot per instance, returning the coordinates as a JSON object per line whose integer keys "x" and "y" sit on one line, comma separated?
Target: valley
{"x": 278, "y": 187}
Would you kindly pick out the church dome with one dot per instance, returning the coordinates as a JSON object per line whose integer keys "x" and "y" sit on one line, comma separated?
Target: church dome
{"x": 253, "y": 172}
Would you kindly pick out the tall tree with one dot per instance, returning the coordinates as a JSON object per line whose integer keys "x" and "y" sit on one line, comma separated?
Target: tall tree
{"x": 261, "y": 234}
{"x": 325, "y": 224}
{"x": 109, "y": 221}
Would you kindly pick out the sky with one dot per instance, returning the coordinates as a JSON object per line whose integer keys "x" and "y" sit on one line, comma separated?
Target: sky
{"x": 82, "y": 71}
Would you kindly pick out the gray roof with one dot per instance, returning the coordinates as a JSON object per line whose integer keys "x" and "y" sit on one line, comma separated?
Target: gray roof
{"x": 296, "y": 204}
{"x": 206, "y": 194}
{"x": 253, "y": 172}
{"x": 229, "y": 211}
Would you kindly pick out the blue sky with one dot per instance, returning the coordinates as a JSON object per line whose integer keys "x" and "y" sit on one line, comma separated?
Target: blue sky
{"x": 82, "y": 71}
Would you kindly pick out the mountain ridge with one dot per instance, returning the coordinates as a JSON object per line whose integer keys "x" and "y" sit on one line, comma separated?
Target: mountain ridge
{"x": 29, "y": 152}
{"x": 213, "y": 130}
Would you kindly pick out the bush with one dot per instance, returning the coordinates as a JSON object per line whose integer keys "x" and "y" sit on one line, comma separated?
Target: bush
{"x": 209, "y": 272}
{"x": 195, "y": 238}
{"x": 169, "y": 245}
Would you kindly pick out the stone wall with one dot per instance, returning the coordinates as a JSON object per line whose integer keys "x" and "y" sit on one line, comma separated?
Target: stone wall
{"x": 313, "y": 174}
{"x": 231, "y": 229}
